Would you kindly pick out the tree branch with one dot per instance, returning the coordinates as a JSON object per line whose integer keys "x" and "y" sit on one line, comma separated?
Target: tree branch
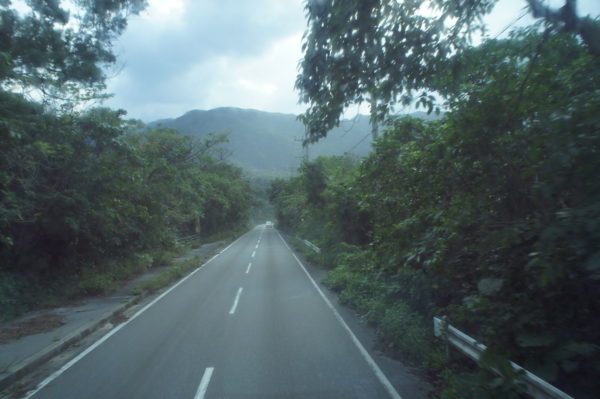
{"x": 566, "y": 19}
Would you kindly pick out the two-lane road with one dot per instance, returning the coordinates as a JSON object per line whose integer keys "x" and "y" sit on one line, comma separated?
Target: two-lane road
{"x": 251, "y": 323}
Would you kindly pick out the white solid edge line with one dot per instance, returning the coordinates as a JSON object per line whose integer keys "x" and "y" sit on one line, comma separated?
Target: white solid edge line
{"x": 285, "y": 243}
{"x": 249, "y": 266}
{"x": 203, "y": 387}
{"x": 236, "y": 301}
{"x": 365, "y": 354}
{"x": 112, "y": 332}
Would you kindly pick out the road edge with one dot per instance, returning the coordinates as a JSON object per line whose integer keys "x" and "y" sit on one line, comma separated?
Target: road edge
{"x": 31, "y": 363}
{"x": 391, "y": 390}
{"x": 34, "y": 361}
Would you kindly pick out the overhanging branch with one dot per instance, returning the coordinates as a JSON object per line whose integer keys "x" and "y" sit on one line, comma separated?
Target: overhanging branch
{"x": 566, "y": 19}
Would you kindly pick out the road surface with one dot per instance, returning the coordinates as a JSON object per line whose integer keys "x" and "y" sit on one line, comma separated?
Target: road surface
{"x": 249, "y": 324}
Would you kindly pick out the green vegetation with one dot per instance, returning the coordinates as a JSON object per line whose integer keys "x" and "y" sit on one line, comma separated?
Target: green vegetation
{"x": 387, "y": 52}
{"x": 489, "y": 216}
{"x": 265, "y": 144}
{"x": 171, "y": 274}
{"x": 82, "y": 192}
{"x": 87, "y": 198}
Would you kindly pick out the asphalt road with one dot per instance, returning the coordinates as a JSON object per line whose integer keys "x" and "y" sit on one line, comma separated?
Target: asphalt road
{"x": 249, "y": 324}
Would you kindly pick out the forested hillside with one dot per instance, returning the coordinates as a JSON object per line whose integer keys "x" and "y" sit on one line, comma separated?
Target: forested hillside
{"x": 268, "y": 144}
{"x": 88, "y": 198}
{"x": 489, "y": 216}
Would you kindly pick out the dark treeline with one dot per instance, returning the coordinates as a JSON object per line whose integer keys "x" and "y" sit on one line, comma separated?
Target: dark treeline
{"x": 490, "y": 217}
{"x": 87, "y": 197}
{"x": 82, "y": 191}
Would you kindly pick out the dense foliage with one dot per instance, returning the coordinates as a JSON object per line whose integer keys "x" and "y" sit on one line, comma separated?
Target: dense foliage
{"x": 387, "y": 51}
{"x": 79, "y": 190}
{"x": 490, "y": 216}
{"x": 87, "y": 197}
{"x": 60, "y": 54}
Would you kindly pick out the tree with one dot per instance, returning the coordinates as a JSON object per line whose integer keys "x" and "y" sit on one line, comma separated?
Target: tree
{"x": 388, "y": 51}
{"x": 85, "y": 192}
{"x": 488, "y": 216}
{"x": 566, "y": 19}
{"x": 59, "y": 54}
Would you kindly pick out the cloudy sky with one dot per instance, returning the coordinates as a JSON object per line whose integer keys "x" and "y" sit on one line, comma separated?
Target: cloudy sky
{"x": 202, "y": 54}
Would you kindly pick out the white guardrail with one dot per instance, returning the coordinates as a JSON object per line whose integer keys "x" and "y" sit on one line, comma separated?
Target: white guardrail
{"x": 536, "y": 387}
{"x": 187, "y": 239}
{"x": 310, "y": 245}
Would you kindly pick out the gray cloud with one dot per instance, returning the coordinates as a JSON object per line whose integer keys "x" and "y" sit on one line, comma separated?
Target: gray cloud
{"x": 187, "y": 54}
{"x": 174, "y": 59}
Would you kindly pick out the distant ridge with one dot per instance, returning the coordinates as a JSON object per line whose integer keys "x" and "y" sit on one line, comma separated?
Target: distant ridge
{"x": 268, "y": 144}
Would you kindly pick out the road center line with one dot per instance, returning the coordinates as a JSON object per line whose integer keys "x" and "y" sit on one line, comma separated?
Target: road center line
{"x": 253, "y": 253}
{"x": 249, "y": 266}
{"x": 112, "y": 332}
{"x": 236, "y": 301}
{"x": 204, "y": 383}
{"x": 365, "y": 354}
{"x": 256, "y": 247}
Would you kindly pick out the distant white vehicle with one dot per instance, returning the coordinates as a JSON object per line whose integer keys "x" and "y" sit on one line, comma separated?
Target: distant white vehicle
{"x": 268, "y": 223}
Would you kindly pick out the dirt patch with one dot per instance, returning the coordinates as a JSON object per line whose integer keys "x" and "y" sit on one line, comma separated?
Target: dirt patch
{"x": 36, "y": 325}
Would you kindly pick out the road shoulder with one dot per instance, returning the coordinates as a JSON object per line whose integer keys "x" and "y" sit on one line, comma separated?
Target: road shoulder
{"x": 31, "y": 341}
{"x": 407, "y": 381}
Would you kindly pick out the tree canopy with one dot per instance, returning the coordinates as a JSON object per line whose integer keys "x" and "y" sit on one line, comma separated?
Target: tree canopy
{"x": 387, "y": 51}
{"x": 87, "y": 196}
{"x": 57, "y": 52}
{"x": 488, "y": 216}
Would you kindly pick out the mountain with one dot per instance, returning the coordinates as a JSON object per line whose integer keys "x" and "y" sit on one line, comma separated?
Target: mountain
{"x": 270, "y": 144}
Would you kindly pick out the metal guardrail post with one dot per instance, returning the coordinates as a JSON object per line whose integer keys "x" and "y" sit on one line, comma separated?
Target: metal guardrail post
{"x": 440, "y": 330}
{"x": 536, "y": 387}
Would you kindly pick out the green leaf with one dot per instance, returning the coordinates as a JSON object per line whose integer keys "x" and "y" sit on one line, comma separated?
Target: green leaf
{"x": 490, "y": 286}
{"x": 593, "y": 265}
{"x": 529, "y": 340}
{"x": 585, "y": 349}
{"x": 569, "y": 366}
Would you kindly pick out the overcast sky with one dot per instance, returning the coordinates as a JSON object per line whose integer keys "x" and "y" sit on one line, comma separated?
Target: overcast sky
{"x": 181, "y": 55}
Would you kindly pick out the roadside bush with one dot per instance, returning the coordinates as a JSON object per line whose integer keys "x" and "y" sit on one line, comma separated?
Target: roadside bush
{"x": 409, "y": 334}
{"x": 13, "y": 286}
{"x": 94, "y": 284}
{"x": 172, "y": 273}
{"x": 488, "y": 216}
